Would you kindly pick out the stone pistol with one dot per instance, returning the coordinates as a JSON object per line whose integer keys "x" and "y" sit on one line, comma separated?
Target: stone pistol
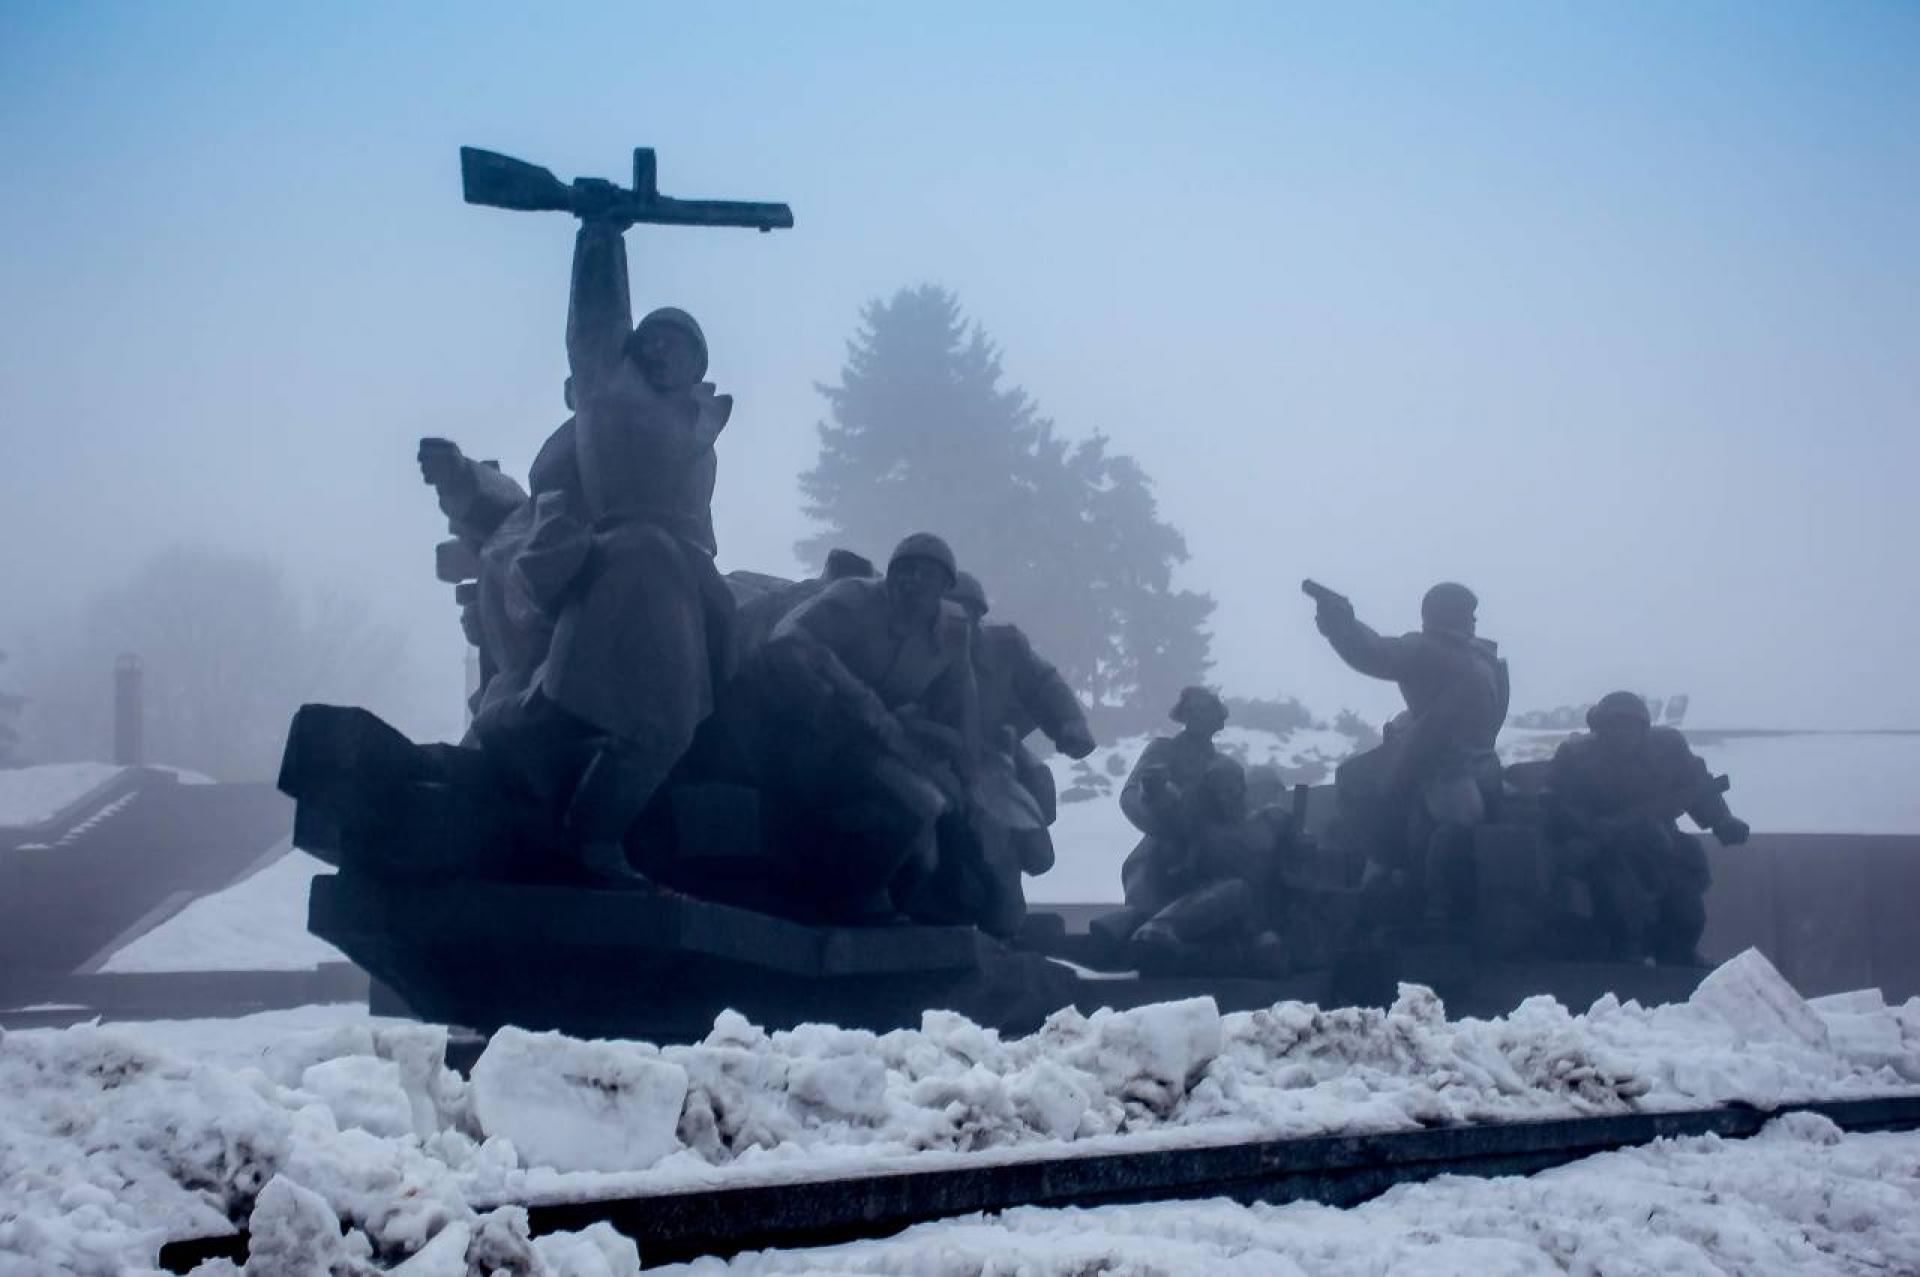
{"x": 1326, "y": 598}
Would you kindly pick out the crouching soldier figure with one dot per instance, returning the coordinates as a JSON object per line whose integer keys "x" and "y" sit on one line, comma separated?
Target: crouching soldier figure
{"x": 863, "y": 730}
{"x": 1614, "y": 797}
{"x": 1187, "y": 882}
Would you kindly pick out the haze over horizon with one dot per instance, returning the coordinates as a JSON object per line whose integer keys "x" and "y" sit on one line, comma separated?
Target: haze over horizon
{"x": 1613, "y": 314}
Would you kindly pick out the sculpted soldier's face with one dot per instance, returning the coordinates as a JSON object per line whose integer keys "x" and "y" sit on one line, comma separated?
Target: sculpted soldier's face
{"x": 668, "y": 358}
{"x": 916, "y": 585}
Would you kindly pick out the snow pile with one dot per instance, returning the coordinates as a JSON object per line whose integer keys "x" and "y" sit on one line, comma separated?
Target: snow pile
{"x": 110, "y": 1141}
{"x": 1798, "y": 1198}
{"x": 579, "y": 1106}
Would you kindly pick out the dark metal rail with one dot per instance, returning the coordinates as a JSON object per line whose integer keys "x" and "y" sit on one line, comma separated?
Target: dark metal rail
{"x": 1339, "y": 1170}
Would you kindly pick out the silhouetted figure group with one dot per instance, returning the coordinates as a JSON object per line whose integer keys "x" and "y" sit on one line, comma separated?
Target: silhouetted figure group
{"x": 1412, "y": 805}
{"x": 877, "y": 722}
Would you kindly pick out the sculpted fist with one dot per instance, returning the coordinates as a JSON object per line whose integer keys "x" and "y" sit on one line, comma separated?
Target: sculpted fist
{"x": 597, "y": 200}
{"x": 1330, "y": 615}
{"x": 1732, "y": 831}
{"x": 1076, "y": 742}
{"x": 441, "y": 462}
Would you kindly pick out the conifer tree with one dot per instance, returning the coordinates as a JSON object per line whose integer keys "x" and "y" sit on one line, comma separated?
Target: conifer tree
{"x": 1066, "y": 536}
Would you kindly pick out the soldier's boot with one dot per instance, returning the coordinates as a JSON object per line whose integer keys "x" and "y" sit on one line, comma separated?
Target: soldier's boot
{"x": 612, "y": 790}
{"x": 1155, "y": 946}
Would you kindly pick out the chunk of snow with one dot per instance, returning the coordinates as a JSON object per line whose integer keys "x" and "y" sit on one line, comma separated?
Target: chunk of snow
{"x": 579, "y": 1106}
{"x": 362, "y": 1091}
{"x": 1754, "y": 999}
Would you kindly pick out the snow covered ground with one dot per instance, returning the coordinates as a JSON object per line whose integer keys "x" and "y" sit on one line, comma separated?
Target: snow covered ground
{"x": 1799, "y": 1198}
{"x": 28, "y": 795}
{"x": 257, "y": 924}
{"x": 114, "y": 1138}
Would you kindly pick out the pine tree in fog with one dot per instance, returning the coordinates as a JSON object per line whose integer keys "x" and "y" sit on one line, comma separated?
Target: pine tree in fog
{"x": 1066, "y": 535}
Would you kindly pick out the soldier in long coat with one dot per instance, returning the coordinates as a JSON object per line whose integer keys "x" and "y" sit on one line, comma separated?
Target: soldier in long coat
{"x": 600, "y": 591}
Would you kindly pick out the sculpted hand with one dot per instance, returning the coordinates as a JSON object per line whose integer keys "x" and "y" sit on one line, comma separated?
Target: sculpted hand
{"x": 1732, "y": 831}
{"x": 597, "y": 200}
{"x": 1075, "y": 742}
{"x": 1330, "y": 616}
{"x": 441, "y": 462}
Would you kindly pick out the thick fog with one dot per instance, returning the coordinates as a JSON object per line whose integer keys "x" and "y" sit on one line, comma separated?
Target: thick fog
{"x": 1612, "y": 313}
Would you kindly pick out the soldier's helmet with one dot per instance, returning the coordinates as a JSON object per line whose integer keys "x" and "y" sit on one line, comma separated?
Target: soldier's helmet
{"x": 970, "y": 595}
{"x": 1448, "y": 606}
{"x": 1198, "y": 706}
{"x": 1620, "y": 709}
{"x": 674, "y": 317}
{"x": 925, "y": 545}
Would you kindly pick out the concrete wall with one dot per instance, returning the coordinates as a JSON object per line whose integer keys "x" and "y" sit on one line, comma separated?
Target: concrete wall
{"x": 1833, "y": 911}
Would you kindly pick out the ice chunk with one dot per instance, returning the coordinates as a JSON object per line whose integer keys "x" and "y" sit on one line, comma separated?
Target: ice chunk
{"x": 296, "y": 1234}
{"x": 1856, "y": 1002}
{"x": 287, "y": 1060}
{"x": 1152, "y": 1054}
{"x": 595, "y": 1251}
{"x": 444, "y": 1256}
{"x": 1756, "y": 1001}
{"x": 362, "y": 1091}
{"x": 578, "y": 1106}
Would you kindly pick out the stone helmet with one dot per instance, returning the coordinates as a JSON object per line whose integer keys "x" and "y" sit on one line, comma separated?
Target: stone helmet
{"x": 970, "y": 595}
{"x": 1448, "y": 606}
{"x": 1197, "y": 703}
{"x": 925, "y": 545}
{"x": 674, "y": 317}
{"x": 1619, "y": 708}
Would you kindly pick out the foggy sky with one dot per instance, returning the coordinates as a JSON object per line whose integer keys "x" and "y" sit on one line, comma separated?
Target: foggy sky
{"x": 1612, "y": 312}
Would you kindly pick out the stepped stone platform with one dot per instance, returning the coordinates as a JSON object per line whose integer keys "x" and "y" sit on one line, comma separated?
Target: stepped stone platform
{"x": 118, "y": 861}
{"x": 596, "y": 963}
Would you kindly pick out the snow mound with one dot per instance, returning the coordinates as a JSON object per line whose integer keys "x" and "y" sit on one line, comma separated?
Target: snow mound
{"x": 112, "y": 1140}
{"x": 1798, "y": 1198}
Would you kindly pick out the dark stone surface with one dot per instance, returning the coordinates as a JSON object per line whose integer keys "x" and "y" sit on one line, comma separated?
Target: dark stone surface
{"x": 124, "y": 857}
{"x": 608, "y": 963}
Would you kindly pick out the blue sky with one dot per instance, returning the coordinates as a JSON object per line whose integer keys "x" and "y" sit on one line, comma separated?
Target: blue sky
{"x": 1611, "y": 311}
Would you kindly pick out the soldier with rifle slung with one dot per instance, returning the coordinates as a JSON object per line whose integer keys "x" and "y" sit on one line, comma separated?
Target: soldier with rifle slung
{"x": 1613, "y": 799}
{"x": 1417, "y": 797}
